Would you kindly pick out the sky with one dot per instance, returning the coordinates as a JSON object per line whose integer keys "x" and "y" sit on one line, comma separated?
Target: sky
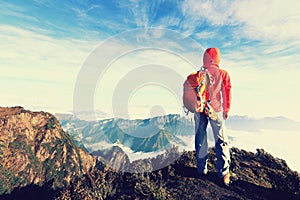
{"x": 130, "y": 58}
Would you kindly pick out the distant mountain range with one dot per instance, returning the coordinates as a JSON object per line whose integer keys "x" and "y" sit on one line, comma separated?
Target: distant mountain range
{"x": 158, "y": 133}
{"x": 155, "y": 134}
{"x": 245, "y": 123}
{"x": 147, "y": 135}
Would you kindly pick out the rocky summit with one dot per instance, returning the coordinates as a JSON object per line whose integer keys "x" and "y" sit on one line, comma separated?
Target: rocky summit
{"x": 34, "y": 150}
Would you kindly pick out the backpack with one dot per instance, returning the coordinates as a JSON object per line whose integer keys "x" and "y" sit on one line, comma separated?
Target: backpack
{"x": 195, "y": 94}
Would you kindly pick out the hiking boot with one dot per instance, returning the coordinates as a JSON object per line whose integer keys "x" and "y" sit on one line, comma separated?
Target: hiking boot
{"x": 226, "y": 179}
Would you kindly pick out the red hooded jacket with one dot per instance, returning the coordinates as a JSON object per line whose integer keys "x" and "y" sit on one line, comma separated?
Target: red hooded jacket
{"x": 220, "y": 89}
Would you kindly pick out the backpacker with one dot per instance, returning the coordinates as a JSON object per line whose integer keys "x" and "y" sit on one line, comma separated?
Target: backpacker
{"x": 195, "y": 94}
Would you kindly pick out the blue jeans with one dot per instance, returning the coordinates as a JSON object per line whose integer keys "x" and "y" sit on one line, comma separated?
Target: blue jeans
{"x": 221, "y": 143}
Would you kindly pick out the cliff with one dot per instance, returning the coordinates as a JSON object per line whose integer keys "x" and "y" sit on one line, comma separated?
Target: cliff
{"x": 34, "y": 150}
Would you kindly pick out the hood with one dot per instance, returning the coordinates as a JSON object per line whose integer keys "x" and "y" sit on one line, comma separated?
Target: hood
{"x": 211, "y": 56}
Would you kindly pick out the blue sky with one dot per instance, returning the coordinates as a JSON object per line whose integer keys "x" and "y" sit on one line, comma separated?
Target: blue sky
{"x": 45, "y": 44}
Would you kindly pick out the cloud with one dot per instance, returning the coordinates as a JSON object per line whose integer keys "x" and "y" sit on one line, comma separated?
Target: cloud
{"x": 32, "y": 62}
{"x": 264, "y": 20}
{"x": 38, "y": 70}
{"x": 215, "y": 12}
{"x": 35, "y": 66}
{"x": 136, "y": 12}
{"x": 205, "y": 35}
{"x": 269, "y": 19}
{"x": 21, "y": 46}
{"x": 263, "y": 84}
{"x": 7, "y": 8}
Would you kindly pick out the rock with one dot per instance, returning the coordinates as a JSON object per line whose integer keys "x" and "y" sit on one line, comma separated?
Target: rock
{"x": 114, "y": 157}
{"x": 34, "y": 149}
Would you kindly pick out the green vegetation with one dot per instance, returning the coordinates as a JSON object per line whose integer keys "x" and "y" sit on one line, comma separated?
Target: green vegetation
{"x": 51, "y": 123}
{"x": 8, "y": 181}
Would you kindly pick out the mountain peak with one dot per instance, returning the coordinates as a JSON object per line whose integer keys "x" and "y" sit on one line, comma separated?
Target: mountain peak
{"x": 113, "y": 157}
{"x": 4, "y": 111}
{"x": 34, "y": 149}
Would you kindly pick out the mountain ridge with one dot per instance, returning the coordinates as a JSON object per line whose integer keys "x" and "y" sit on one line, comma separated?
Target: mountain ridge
{"x": 130, "y": 133}
{"x": 236, "y": 122}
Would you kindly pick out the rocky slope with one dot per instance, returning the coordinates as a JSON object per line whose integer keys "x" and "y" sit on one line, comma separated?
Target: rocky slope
{"x": 40, "y": 161}
{"x": 255, "y": 176}
{"x": 113, "y": 157}
{"x": 34, "y": 150}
